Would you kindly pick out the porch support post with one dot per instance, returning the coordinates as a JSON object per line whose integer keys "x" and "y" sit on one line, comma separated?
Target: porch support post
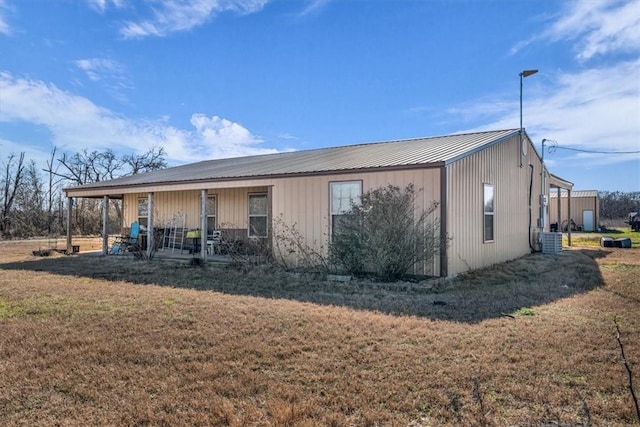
{"x": 69, "y": 214}
{"x": 559, "y": 209}
{"x": 150, "y": 232}
{"x": 105, "y": 220}
{"x": 569, "y": 215}
{"x": 203, "y": 224}
{"x": 270, "y": 218}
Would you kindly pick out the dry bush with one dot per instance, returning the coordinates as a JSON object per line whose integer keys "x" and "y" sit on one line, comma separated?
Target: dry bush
{"x": 293, "y": 253}
{"x": 384, "y": 234}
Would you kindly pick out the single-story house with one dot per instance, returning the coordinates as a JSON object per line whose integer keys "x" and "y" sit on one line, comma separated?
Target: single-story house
{"x": 584, "y": 209}
{"x": 491, "y": 189}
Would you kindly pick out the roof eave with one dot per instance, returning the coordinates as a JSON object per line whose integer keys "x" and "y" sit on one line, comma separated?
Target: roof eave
{"x": 113, "y": 189}
{"x": 482, "y": 147}
{"x": 556, "y": 181}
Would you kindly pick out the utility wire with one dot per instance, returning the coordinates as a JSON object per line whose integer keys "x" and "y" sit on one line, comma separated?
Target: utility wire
{"x": 597, "y": 152}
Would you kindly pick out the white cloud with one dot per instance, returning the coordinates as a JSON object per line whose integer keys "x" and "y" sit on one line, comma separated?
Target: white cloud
{"x": 95, "y": 67}
{"x": 593, "y": 109}
{"x": 76, "y": 123}
{"x": 600, "y": 27}
{"x": 5, "y": 28}
{"x": 110, "y": 73}
{"x": 101, "y": 5}
{"x": 176, "y": 15}
{"x": 314, "y": 6}
{"x": 596, "y": 109}
{"x": 597, "y": 28}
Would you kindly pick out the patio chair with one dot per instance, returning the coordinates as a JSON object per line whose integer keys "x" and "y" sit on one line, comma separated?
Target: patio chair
{"x": 128, "y": 243}
{"x": 214, "y": 242}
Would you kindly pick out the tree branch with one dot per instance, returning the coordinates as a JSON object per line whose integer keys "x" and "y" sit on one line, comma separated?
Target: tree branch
{"x": 628, "y": 368}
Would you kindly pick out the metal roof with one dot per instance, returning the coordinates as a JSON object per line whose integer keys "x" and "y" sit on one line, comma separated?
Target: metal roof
{"x": 576, "y": 193}
{"x": 432, "y": 151}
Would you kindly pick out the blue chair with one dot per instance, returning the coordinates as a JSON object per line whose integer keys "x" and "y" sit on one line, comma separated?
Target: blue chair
{"x": 128, "y": 243}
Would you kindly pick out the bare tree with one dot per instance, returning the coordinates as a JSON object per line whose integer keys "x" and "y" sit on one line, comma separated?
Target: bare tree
{"x": 618, "y": 204}
{"x": 29, "y": 213}
{"x": 11, "y": 181}
{"x": 32, "y": 204}
{"x": 86, "y": 167}
{"x": 53, "y": 194}
{"x": 149, "y": 161}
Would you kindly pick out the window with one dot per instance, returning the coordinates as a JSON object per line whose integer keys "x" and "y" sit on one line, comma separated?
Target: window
{"x": 143, "y": 211}
{"x": 343, "y": 196}
{"x": 488, "y": 212}
{"x": 211, "y": 214}
{"x": 258, "y": 210}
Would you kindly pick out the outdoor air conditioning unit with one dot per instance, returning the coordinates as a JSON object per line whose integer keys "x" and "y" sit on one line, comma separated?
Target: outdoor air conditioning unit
{"x": 551, "y": 242}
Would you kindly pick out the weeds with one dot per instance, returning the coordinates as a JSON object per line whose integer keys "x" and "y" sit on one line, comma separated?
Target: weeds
{"x": 525, "y": 311}
{"x": 292, "y": 253}
{"x": 586, "y": 413}
{"x": 478, "y": 398}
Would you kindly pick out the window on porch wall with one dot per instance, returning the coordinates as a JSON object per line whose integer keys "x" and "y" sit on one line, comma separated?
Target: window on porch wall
{"x": 211, "y": 210}
{"x": 258, "y": 212}
{"x": 143, "y": 211}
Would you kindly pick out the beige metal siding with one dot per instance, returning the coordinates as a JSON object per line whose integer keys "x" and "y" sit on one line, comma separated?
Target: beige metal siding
{"x": 165, "y": 206}
{"x": 232, "y": 204}
{"x": 497, "y": 165}
{"x": 304, "y": 201}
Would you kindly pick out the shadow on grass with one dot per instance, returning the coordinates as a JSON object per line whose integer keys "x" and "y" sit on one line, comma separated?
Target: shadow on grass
{"x": 493, "y": 292}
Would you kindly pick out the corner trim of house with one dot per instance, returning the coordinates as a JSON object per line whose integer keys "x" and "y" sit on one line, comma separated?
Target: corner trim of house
{"x": 443, "y": 222}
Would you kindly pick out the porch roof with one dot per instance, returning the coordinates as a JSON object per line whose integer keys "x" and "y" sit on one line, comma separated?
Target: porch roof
{"x": 421, "y": 152}
{"x": 556, "y": 181}
{"x": 576, "y": 194}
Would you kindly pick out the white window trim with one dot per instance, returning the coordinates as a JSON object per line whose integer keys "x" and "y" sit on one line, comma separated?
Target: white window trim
{"x": 215, "y": 215}
{"x": 138, "y": 216}
{"x": 249, "y": 215}
{"x": 486, "y": 213}
{"x": 331, "y": 210}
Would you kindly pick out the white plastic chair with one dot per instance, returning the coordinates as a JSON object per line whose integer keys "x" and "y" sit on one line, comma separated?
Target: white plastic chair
{"x": 214, "y": 242}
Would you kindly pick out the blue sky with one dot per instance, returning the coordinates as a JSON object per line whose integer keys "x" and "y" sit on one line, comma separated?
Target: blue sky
{"x": 218, "y": 78}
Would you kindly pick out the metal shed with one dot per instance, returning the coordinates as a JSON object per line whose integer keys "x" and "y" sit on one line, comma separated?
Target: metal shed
{"x": 581, "y": 210}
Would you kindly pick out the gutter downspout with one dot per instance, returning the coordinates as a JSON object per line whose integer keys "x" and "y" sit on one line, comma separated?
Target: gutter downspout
{"x": 530, "y": 196}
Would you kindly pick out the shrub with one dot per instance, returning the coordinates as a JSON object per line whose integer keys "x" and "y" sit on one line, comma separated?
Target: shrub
{"x": 385, "y": 234}
{"x": 291, "y": 251}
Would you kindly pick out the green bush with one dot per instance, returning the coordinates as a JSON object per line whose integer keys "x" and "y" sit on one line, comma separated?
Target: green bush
{"x": 385, "y": 234}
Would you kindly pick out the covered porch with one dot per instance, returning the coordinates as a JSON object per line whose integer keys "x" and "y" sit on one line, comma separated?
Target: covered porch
{"x": 211, "y": 223}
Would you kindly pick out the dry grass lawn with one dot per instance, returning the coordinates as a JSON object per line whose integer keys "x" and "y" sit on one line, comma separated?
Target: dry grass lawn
{"x": 93, "y": 340}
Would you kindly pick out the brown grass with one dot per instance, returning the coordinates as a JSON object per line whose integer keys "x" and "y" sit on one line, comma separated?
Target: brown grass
{"x": 92, "y": 340}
